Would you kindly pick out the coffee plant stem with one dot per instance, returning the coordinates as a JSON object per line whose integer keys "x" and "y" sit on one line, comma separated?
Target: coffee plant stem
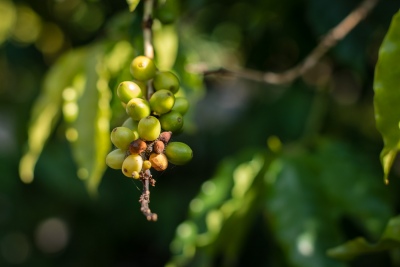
{"x": 145, "y": 197}
{"x": 335, "y": 35}
{"x": 148, "y": 38}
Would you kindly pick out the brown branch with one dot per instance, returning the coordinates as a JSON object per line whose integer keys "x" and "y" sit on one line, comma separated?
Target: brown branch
{"x": 330, "y": 40}
{"x": 144, "y": 199}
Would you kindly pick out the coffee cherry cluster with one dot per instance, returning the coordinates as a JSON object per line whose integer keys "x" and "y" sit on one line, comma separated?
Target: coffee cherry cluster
{"x": 143, "y": 141}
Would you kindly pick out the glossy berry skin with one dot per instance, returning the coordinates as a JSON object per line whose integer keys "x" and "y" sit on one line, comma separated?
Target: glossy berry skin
{"x": 166, "y": 80}
{"x": 178, "y": 153}
{"x": 158, "y": 161}
{"x": 171, "y": 121}
{"x": 138, "y": 108}
{"x": 115, "y": 159}
{"x": 146, "y": 165}
{"x": 162, "y": 101}
{"x": 121, "y": 137}
{"x": 132, "y": 163}
{"x": 133, "y": 125}
{"x": 143, "y": 68}
{"x": 128, "y": 90}
{"x": 149, "y": 128}
{"x": 181, "y": 105}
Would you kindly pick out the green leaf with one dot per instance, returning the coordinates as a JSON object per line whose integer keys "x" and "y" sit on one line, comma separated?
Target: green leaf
{"x": 8, "y": 18}
{"x": 46, "y": 109}
{"x": 387, "y": 95}
{"x": 358, "y": 246}
{"x": 89, "y": 131}
{"x": 132, "y": 4}
{"x": 165, "y": 40}
{"x": 231, "y": 198}
{"x": 317, "y": 189}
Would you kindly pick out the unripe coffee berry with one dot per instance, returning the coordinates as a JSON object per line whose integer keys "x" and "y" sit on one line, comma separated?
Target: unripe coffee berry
{"x": 171, "y": 121}
{"x": 166, "y": 80}
{"x": 146, "y": 165}
{"x": 149, "y": 128}
{"x": 128, "y": 90}
{"x": 135, "y": 175}
{"x": 181, "y": 105}
{"x": 138, "y": 108}
{"x": 143, "y": 68}
{"x": 138, "y": 146}
{"x": 131, "y": 164}
{"x": 158, "y": 161}
{"x": 162, "y": 101}
{"x": 121, "y": 137}
{"x": 158, "y": 147}
{"x": 178, "y": 153}
{"x": 115, "y": 159}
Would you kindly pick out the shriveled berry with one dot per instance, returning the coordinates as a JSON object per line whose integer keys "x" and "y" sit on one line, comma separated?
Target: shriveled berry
{"x": 143, "y": 68}
{"x": 165, "y": 137}
{"x": 158, "y": 147}
{"x": 149, "y": 128}
{"x": 181, "y": 105}
{"x": 138, "y": 108}
{"x": 128, "y": 90}
{"x": 146, "y": 165}
{"x": 166, "y": 80}
{"x": 121, "y": 137}
{"x": 171, "y": 121}
{"x": 131, "y": 164}
{"x": 162, "y": 101}
{"x": 158, "y": 161}
{"x": 178, "y": 153}
{"x": 138, "y": 146}
{"x": 115, "y": 159}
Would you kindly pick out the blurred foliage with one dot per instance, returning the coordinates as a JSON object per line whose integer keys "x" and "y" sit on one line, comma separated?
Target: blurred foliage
{"x": 282, "y": 175}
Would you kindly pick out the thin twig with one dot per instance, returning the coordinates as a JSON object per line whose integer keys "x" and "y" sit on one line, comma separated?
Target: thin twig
{"x": 146, "y": 176}
{"x": 330, "y": 40}
{"x": 144, "y": 199}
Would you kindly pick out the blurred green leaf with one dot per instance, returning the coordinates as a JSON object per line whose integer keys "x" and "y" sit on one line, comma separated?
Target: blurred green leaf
{"x": 387, "y": 95}
{"x": 166, "y": 46}
{"x": 230, "y": 198}
{"x": 317, "y": 189}
{"x": 359, "y": 246}
{"x": 132, "y": 4}
{"x": 46, "y": 109}
{"x": 89, "y": 132}
{"x": 8, "y": 17}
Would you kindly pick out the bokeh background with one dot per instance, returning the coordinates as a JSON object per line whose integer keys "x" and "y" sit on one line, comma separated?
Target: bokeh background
{"x": 280, "y": 174}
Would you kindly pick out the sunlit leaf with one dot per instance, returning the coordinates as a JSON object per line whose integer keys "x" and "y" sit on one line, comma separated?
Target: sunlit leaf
{"x": 390, "y": 239}
{"x": 387, "y": 95}
{"x": 165, "y": 39}
{"x": 90, "y": 129}
{"x": 46, "y": 109}
{"x": 8, "y": 17}
{"x": 132, "y": 4}
{"x": 231, "y": 198}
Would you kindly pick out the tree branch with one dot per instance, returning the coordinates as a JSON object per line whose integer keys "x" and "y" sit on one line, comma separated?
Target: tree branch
{"x": 330, "y": 40}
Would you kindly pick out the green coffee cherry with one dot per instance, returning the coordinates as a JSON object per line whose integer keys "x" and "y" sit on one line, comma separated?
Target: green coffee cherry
{"x": 143, "y": 68}
{"x": 128, "y": 90}
{"x": 121, "y": 137}
{"x": 168, "y": 12}
{"x": 149, "y": 128}
{"x": 171, "y": 121}
{"x": 162, "y": 101}
{"x": 166, "y": 80}
{"x": 132, "y": 163}
{"x": 181, "y": 105}
{"x": 115, "y": 159}
{"x": 133, "y": 125}
{"x": 178, "y": 153}
{"x": 138, "y": 108}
